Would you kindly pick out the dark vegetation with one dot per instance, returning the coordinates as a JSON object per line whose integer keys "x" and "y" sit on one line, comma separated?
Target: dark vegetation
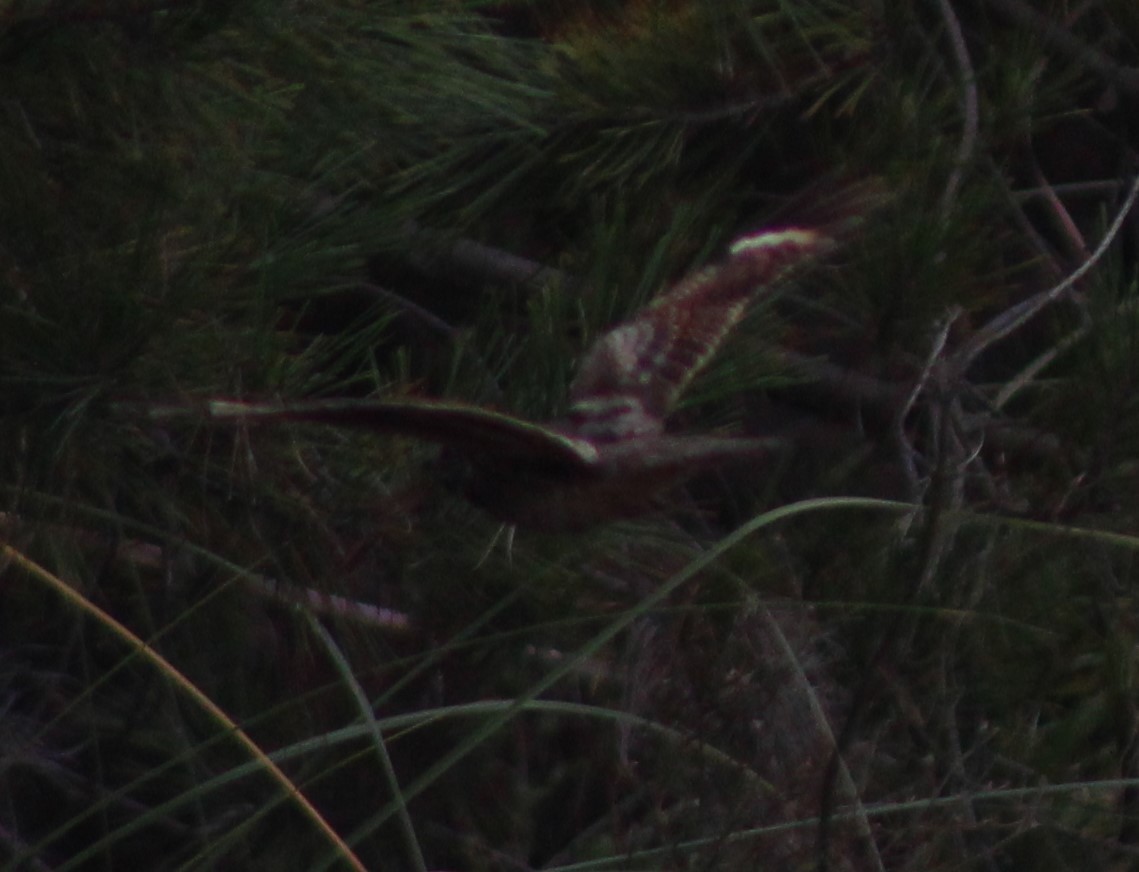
{"x": 259, "y": 200}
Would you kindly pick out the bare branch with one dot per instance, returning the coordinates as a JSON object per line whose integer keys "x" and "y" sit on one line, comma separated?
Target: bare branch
{"x": 1016, "y": 316}
{"x": 969, "y": 100}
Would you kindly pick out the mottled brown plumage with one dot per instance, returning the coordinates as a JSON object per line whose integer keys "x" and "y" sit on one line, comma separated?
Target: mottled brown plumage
{"x": 609, "y": 457}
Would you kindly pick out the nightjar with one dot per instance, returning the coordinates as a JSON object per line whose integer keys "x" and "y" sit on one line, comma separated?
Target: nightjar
{"x": 610, "y": 456}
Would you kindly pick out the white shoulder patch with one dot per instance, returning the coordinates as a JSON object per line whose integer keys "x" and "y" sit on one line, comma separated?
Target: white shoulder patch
{"x": 773, "y": 239}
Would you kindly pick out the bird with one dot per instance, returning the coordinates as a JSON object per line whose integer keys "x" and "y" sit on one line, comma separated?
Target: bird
{"x": 609, "y": 456}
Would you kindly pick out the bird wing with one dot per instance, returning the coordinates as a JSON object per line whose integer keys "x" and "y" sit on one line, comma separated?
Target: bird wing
{"x": 665, "y": 455}
{"x": 632, "y": 376}
{"x": 470, "y": 430}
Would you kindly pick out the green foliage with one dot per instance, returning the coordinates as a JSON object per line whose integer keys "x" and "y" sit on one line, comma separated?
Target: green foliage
{"x": 293, "y": 647}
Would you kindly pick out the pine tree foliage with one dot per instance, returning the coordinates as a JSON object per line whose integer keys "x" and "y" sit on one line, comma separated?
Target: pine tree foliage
{"x": 905, "y": 641}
